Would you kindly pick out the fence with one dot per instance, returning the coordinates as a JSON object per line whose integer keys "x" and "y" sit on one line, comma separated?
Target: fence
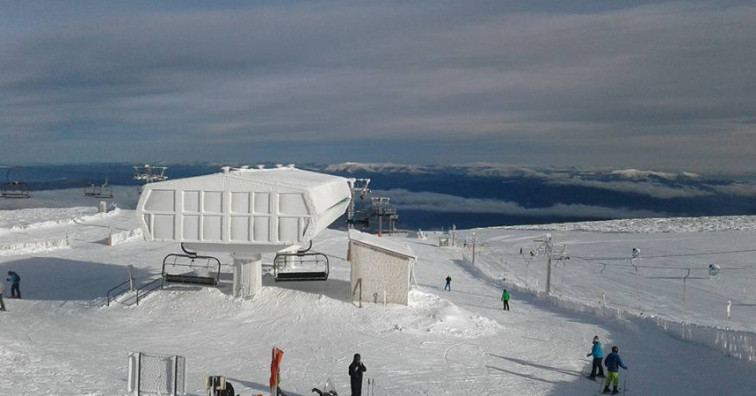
{"x": 685, "y": 302}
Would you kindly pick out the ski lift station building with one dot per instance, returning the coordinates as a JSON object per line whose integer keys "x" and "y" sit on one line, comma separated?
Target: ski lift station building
{"x": 381, "y": 268}
{"x": 244, "y": 212}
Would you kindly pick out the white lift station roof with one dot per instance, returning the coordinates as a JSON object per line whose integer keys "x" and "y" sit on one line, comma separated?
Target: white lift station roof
{"x": 243, "y": 210}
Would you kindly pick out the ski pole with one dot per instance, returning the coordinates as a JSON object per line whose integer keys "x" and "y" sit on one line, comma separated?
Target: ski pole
{"x": 624, "y": 383}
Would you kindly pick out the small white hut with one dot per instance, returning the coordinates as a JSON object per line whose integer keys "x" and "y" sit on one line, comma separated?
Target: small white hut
{"x": 381, "y": 268}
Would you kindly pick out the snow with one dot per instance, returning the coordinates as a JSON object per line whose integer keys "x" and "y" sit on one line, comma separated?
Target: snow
{"x": 383, "y": 243}
{"x": 62, "y": 339}
{"x": 652, "y": 225}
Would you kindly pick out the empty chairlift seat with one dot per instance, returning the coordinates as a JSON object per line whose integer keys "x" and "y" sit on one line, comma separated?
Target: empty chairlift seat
{"x": 192, "y": 269}
{"x": 301, "y": 266}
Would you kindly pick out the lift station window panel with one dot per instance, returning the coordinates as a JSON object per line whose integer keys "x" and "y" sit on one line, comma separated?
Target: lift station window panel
{"x": 192, "y": 201}
{"x": 161, "y": 201}
{"x": 240, "y": 202}
{"x": 212, "y": 228}
{"x": 261, "y": 229}
{"x": 191, "y": 227}
{"x": 163, "y": 226}
{"x": 212, "y": 202}
{"x": 262, "y": 202}
{"x": 240, "y": 228}
{"x": 292, "y": 204}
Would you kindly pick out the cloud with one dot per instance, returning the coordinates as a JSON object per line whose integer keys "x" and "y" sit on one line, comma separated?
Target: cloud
{"x": 645, "y": 86}
{"x": 444, "y": 203}
{"x": 654, "y": 184}
{"x": 650, "y": 189}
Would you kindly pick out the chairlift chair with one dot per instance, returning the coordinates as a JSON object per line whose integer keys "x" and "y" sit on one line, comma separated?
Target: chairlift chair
{"x": 211, "y": 265}
{"x": 90, "y": 190}
{"x": 103, "y": 191}
{"x": 14, "y": 188}
{"x": 288, "y": 266}
{"x": 149, "y": 174}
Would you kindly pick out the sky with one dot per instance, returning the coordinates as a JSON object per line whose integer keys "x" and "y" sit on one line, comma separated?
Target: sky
{"x": 632, "y": 84}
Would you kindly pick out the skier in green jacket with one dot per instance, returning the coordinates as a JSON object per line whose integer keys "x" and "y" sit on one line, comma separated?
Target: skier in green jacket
{"x": 505, "y": 299}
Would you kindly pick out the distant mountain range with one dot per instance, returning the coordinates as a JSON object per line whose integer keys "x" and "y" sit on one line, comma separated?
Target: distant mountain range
{"x": 481, "y": 194}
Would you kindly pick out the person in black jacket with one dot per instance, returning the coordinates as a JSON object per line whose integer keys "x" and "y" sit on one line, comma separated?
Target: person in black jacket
{"x": 355, "y": 373}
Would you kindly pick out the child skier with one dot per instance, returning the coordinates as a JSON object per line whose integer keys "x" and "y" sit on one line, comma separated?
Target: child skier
{"x": 598, "y": 353}
{"x": 613, "y": 362}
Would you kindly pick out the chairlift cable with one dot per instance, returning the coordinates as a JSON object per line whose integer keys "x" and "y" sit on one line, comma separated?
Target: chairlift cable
{"x": 662, "y": 267}
{"x": 668, "y": 255}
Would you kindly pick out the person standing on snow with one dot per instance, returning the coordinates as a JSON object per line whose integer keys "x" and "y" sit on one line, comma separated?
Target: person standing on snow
{"x": 613, "y": 362}
{"x": 448, "y": 283}
{"x": 598, "y": 353}
{"x": 15, "y": 281}
{"x": 355, "y": 373}
{"x": 505, "y": 299}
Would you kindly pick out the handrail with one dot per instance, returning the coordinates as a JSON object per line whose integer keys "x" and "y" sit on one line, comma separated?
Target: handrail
{"x": 354, "y": 291}
{"x": 119, "y": 293}
{"x": 145, "y": 286}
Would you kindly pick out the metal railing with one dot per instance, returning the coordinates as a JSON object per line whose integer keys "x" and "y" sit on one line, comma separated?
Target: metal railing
{"x": 112, "y": 294}
{"x": 141, "y": 291}
{"x": 148, "y": 287}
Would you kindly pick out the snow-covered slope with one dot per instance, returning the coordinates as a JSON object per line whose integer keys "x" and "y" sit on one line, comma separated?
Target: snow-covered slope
{"x": 62, "y": 339}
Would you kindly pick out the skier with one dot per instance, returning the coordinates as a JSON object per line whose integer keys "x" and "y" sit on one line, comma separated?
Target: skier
{"x": 355, "y": 373}
{"x": 2, "y": 304}
{"x": 598, "y": 353}
{"x": 448, "y": 283}
{"x": 505, "y": 299}
{"x": 15, "y": 280}
{"x": 613, "y": 362}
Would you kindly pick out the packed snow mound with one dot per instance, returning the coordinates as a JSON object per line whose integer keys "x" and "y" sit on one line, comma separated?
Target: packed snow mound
{"x": 652, "y": 225}
{"x": 26, "y": 219}
{"x": 119, "y": 237}
{"x": 30, "y": 247}
{"x": 434, "y": 314}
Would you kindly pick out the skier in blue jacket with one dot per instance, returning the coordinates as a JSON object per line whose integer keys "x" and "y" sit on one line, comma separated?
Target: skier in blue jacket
{"x": 598, "y": 354}
{"x": 15, "y": 281}
{"x": 613, "y": 362}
